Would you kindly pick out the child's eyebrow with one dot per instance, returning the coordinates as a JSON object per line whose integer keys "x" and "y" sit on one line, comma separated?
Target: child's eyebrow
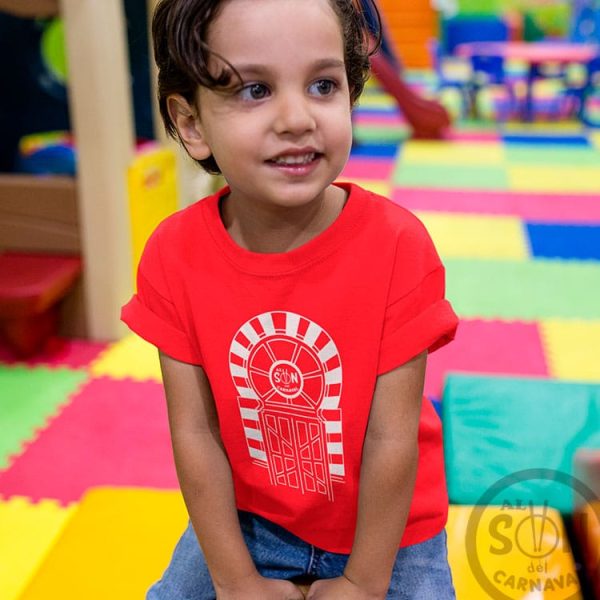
{"x": 261, "y": 69}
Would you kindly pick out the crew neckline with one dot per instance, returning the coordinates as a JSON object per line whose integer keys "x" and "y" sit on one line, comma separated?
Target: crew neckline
{"x": 281, "y": 263}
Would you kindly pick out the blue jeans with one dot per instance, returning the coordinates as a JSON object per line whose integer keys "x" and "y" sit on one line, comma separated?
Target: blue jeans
{"x": 421, "y": 572}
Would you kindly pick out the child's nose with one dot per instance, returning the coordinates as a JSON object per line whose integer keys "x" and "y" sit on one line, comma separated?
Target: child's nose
{"x": 294, "y": 114}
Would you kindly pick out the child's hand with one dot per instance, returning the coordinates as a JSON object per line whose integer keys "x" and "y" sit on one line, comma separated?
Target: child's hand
{"x": 339, "y": 588}
{"x": 262, "y": 588}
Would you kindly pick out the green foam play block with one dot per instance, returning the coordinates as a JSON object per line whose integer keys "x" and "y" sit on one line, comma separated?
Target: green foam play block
{"x": 495, "y": 427}
{"x": 526, "y": 290}
{"x": 28, "y": 396}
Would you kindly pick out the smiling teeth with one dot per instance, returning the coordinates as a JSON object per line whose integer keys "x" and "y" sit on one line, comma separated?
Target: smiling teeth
{"x": 295, "y": 160}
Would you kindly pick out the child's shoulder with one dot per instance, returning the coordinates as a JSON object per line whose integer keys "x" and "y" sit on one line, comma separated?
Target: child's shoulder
{"x": 388, "y": 217}
{"x": 184, "y": 223}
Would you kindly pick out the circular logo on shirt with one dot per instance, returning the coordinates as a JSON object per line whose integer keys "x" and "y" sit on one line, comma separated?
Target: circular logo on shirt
{"x": 286, "y": 378}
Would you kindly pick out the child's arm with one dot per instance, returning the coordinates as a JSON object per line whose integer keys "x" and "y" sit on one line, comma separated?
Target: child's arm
{"x": 387, "y": 481}
{"x": 207, "y": 486}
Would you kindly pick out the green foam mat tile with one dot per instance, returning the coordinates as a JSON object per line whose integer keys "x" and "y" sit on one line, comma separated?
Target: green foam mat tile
{"x": 548, "y": 155}
{"x": 495, "y": 427}
{"x": 523, "y": 290}
{"x": 27, "y": 398}
{"x": 450, "y": 176}
{"x": 383, "y": 135}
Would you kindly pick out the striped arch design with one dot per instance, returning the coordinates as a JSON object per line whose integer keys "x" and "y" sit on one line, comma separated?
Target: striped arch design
{"x": 288, "y": 375}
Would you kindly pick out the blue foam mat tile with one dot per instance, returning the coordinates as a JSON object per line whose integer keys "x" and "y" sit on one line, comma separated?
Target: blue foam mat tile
{"x": 563, "y": 140}
{"x": 564, "y": 241}
{"x": 366, "y": 150}
{"x": 379, "y": 111}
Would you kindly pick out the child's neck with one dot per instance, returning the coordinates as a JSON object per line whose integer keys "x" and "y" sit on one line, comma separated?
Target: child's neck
{"x": 265, "y": 230}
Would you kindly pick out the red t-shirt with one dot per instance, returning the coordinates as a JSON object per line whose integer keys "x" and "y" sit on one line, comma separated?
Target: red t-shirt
{"x": 292, "y": 344}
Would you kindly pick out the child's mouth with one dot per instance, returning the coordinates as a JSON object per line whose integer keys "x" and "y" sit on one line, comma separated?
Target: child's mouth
{"x": 299, "y": 164}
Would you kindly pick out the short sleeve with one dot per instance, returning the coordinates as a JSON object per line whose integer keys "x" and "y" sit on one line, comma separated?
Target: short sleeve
{"x": 152, "y": 313}
{"x": 418, "y": 317}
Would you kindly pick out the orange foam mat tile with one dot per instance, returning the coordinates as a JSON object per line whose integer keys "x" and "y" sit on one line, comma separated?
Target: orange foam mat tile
{"x": 510, "y": 552}
{"x": 117, "y": 543}
{"x": 27, "y": 531}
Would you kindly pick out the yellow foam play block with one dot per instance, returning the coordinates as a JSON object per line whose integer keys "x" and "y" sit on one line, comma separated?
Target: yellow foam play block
{"x": 572, "y": 349}
{"x": 515, "y": 552}
{"x": 452, "y": 153}
{"x": 476, "y": 236}
{"x": 373, "y": 185}
{"x": 130, "y": 357}
{"x": 555, "y": 179}
{"x": 117, "y": 543}
{"x": 27, "y": 530}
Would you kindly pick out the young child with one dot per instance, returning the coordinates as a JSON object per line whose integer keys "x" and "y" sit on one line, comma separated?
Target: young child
{"x": 293, "y": 316}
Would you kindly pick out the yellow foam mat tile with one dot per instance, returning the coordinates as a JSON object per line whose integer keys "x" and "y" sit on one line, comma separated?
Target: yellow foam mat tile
{"x": 570, "y": 127}
{"x": 572, "y": 349}
{"x": 118, "y": 542}
{"x": 519, "y": 553}
{"x": 376, "y": 186}
{"x": 476, "y": 236}
{"x": 130, "y": 357}
{"x": 452, "y": 153}
{"x": 594, "y": 137}
{"x": 559, "y": 179}
{"x": 377, "y": 99}
{"x": 27, "y": 531}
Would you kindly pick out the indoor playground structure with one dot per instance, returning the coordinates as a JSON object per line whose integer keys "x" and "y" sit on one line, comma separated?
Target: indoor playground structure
{"x": 483, "y": 118}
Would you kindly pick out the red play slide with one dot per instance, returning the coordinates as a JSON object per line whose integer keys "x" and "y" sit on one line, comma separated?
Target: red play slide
{"x": 428, "y": 118}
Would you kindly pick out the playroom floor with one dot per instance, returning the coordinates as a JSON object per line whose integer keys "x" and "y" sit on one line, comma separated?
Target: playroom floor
{"x": 515, "y": 212}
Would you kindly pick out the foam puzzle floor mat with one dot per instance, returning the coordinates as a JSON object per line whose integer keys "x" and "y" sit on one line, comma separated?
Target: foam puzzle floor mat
{"x": 514, "y": 210}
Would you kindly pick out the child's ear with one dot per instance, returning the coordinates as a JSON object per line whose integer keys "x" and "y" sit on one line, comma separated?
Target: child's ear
{"x": 186, "y": 121}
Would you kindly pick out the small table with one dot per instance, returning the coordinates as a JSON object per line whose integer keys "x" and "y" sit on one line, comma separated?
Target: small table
{"x": 533, "y": 53}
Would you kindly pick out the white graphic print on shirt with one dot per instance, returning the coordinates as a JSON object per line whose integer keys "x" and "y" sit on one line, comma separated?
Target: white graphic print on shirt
{"x": 288, "y": 374}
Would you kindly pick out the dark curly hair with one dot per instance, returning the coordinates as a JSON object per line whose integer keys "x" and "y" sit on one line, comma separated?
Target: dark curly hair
{"x": 179, "y": 30}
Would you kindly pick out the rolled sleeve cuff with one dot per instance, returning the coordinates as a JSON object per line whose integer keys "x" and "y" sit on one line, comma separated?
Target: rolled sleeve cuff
{"x": 153, "y": 329}
{"x": 430, "y": 330}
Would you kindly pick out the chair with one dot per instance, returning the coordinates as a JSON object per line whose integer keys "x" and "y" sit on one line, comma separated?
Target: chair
{"x": 451, "y": 73}
{"x": 578, "y": 95}
{"x": 489, "y": 71}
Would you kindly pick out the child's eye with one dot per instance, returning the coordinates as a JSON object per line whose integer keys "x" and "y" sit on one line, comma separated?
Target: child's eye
{"x": 254, "y": 91}
{"x": 323, "y": 87}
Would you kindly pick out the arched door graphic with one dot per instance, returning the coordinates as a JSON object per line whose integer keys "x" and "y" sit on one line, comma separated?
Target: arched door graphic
{"x": 288, "y": 375}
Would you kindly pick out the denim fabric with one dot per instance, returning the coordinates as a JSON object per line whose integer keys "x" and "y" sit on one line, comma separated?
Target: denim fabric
{"x": 421, "y": 572}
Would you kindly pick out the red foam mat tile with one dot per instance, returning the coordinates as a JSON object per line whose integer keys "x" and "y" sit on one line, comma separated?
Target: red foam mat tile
{"x": 571, "y": 208}
{"x": 113, "y": 433}
{"x": 494, "y": 347}
{"x": 59, "y": 352}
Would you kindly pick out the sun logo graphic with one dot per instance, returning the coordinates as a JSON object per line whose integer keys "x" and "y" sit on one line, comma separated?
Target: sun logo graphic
{"x": 288, "y": 375}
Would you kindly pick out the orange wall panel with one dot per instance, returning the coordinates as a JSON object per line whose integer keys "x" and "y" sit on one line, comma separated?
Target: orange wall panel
{"x": 411, "y": 24}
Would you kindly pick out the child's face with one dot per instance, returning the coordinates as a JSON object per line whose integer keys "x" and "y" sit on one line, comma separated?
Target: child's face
{"x": 286, "y": 135}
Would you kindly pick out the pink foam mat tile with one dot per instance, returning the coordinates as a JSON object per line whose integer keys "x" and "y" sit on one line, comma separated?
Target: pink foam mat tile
{"x": 567, "y": 208}
{"x": 366, "y": 168}
{"x": 473, "y": 136}
{"x": 59, "y": 352}
{"x": 367, "y": 120}
{"x": 493, "y": 347}
{"x": 112, "y": 433}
